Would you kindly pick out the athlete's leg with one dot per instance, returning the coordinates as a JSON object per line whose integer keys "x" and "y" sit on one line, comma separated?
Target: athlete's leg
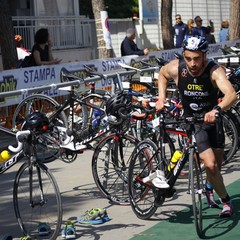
{"x": 215, "y": 178}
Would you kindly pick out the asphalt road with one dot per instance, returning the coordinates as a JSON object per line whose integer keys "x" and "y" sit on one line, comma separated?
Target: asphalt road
{"x": 79, "y": 194}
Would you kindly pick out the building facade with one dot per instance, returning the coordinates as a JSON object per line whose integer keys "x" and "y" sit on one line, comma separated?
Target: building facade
{"x": 75, "y": 36}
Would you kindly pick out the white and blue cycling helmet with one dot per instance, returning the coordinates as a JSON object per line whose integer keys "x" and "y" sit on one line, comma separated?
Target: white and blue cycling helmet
{"x": 195, "y": 43}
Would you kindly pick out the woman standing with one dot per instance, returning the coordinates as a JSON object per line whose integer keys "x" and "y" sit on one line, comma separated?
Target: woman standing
{"x": 223, "y": 34}
{"x": 190, "y": 25}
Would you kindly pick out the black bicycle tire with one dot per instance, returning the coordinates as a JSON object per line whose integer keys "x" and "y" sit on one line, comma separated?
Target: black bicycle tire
{"x": 17, "y": 208}
{"x": 236, "y": 122}
{"x": 196, "y": 187}
{"x": 236, "y": 111}
{"x": 154, "y": 136}
{"x": 117, "y": 175}
{"x": 44, "y": 151}
{"x": 230, "y": 125}
{"x": 36, "y": 97}
{"x": 139, "y": 194}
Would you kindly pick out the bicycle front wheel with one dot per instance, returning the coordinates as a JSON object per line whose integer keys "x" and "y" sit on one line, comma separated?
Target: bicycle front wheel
{"x": 197, "y": 187}
{"x": 37, "y": 201}
{"x": 110, "y": 164}
{"x": 144, "y": 197}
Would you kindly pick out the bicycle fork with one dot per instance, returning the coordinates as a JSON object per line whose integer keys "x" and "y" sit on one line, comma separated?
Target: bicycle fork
{"x": 41, "y": 200}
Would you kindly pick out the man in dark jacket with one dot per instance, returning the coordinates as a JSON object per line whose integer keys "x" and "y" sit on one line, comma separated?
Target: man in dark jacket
{"x": 201, "y": 30}
{"x": 129, "y": 47}
{"x": 180, "y": 30}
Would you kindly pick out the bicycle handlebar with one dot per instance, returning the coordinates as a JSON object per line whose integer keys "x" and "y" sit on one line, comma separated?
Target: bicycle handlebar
{"x": 19, "y": 135}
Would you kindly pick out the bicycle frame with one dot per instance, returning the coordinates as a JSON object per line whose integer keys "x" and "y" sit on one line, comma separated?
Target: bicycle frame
{"x": 85, "y": 136}
{"x": 10, "y": 162}
{"x": 173, "y": 175}
{"x": 33, "y": 186}
{"x": 14, "y": 159}
{"x": 70, "y": 102}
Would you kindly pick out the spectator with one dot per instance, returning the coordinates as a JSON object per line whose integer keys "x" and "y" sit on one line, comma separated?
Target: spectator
{"x": 223, "y": 34}
{"x": 129, "y": 47}
{"x": 21, "y": 51}
{"x": 42, "y": 50}
{"x": 201, "y": 30}
{"x": 190, "y": 25}
{"x": 180, "y": 30}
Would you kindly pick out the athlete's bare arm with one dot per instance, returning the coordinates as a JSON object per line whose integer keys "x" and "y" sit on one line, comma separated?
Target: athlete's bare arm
{"x": 166, "y": 73}
{"x": 219, "y": 78}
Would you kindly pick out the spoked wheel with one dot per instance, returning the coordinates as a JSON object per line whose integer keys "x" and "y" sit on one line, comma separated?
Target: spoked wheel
{"x": 37, "y": 102}
{"x": 110, "y": 164}
{"x": 197, "y": 188}
{"x": 144, "y": 197}
{"x": 231, "y": 137}
{"x": 37, "y": 201}
{"x": 48, "y": 143}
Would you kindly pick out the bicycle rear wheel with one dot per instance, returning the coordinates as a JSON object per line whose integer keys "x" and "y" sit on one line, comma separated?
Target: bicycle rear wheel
{"x": 110, "y": 164}
{"x": 197, "y": 187}
{"x": 37, "y": 102}
{"x": 37, "y": 199}
{"x": 231, "y": 132}
{"x": 48, "y": 146}
{"x": 144, "y": 197}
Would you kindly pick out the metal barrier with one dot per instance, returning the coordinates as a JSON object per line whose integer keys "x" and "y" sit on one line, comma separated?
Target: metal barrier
{"x": 6, "y": 113}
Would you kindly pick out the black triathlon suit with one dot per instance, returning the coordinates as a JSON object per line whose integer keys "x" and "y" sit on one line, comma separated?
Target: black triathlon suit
{"x": 199, "y": 96}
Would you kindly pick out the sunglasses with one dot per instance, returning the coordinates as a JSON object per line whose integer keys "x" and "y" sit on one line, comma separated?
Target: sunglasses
{"x": 178, "y": 18}
{"x": 199, "y": 20}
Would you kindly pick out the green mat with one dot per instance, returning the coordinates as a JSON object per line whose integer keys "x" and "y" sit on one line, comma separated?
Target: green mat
{"x": 181, "y": 225}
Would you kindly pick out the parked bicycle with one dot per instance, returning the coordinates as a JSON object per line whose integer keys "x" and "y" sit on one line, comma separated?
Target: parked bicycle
{"x": 71, "y": 118}
{"x": 36, "y": 196}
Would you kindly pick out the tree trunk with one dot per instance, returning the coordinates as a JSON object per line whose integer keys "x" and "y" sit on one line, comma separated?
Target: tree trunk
{"x": 166, "y": 24}
{"x": 234, "y": 28}
{"x": 98, "y": 6}
{"x": 7, "y": 41}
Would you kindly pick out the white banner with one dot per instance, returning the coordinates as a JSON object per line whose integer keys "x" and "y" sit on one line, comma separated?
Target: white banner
{"x": 106, "y": 29}
{"x": 25, "y": 78}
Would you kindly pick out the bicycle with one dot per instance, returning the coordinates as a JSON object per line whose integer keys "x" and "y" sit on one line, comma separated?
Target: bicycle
{"x": 144, "y": 128}
{"x": 36, "y": 196}
{"x": 147, "y": 158}
{"x": 72, "y": 115}
{"x": 111, "y": 157}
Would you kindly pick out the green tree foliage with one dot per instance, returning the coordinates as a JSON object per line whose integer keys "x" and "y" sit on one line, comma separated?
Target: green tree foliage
{"x": 115, "y": 8}
{"x": 86, "y": 8}
{"x": 121, "y": 8}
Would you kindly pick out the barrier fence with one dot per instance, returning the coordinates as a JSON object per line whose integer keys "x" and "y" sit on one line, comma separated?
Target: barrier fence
{"x": 6, "y": 113}
{"x": 27, "y": 80}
